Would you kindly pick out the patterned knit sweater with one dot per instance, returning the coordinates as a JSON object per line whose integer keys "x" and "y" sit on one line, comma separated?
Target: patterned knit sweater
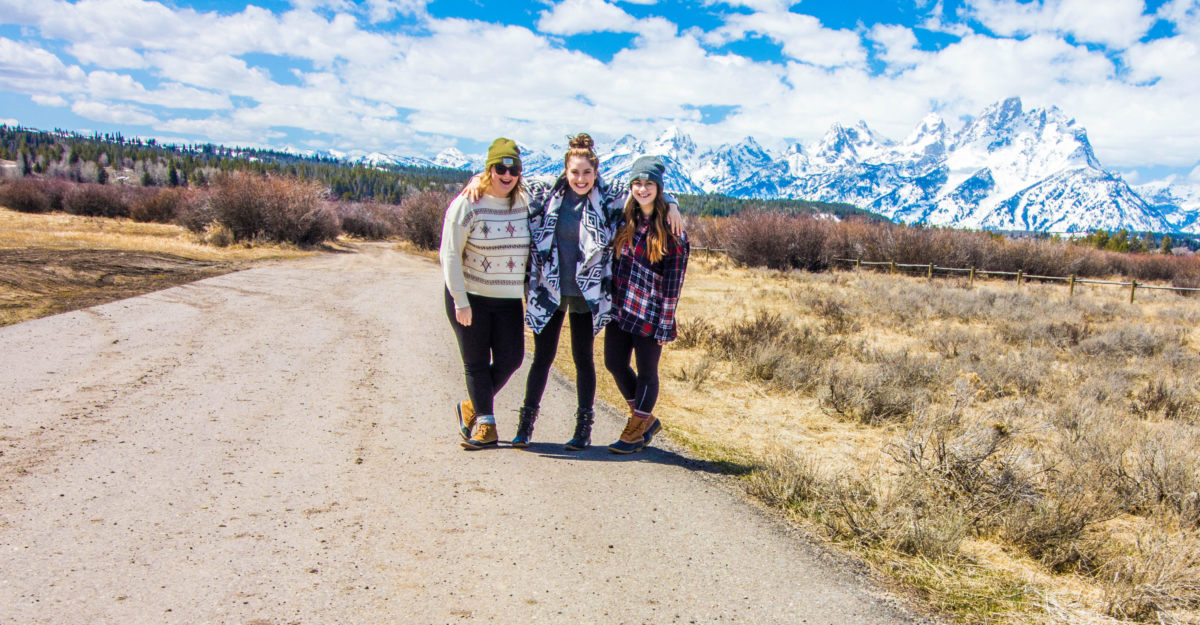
{"x": 485, "y": 246}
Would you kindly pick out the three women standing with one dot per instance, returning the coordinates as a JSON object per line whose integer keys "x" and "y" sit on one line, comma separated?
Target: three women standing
{"x": 572, "y": 223}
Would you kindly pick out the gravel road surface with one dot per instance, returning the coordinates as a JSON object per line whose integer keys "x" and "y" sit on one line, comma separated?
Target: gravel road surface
{"x": 278, "y": 446}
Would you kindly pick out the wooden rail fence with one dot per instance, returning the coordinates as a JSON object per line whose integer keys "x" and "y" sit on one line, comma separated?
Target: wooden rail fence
{"x": 1021, "y": 276}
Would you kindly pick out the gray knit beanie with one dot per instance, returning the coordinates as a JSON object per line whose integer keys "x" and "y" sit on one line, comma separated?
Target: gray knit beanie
{"x": 648, "y": 168}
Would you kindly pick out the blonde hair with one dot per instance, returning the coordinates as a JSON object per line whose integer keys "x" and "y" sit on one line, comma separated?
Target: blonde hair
{"x": 518, "y": 192}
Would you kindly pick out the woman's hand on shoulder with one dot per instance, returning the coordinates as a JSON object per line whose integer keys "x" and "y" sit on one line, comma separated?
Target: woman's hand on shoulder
{"x": 473, "y": 191}
{"x": 675, "y": 219}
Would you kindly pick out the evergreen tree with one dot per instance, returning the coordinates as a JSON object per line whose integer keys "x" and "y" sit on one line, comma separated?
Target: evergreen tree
{"x": 101, "y": 175}
{"x": 147, "y": 181}
{"x": 173, "y": 176}
{"x": 1166, "y": 245}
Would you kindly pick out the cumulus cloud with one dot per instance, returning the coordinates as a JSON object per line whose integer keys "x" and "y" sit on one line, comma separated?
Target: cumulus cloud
{"x": 1117, "y": 23}
{"x": 802, "y": 37}
{"x": 575, "y": 17}
{"x": 49, "y": 100}
{"x": 113, "y": 113}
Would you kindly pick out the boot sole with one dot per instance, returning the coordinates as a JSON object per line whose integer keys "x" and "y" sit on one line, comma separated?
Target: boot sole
{"x": 574, "y": 448}
{"x": 626, "y": 452}
{"x": 469, "y": 447}
{"x": 520, "y": 445}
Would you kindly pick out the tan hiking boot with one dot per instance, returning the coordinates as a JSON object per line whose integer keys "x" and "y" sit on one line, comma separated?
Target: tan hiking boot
{"x": 633, "y": 437}
{"x": 466, "y": 418}
{"x": 485, "y": 436}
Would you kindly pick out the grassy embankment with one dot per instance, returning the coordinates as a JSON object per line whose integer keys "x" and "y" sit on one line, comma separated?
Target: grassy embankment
{"x": 1004, "y": 453}
{"x": 57, "y": 262}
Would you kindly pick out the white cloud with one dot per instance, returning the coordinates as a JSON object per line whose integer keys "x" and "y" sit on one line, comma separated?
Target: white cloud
{"x": 1117, "y": 23}
{"x": 765, "y": 6}
{"x": 113, "y": 113}
{"x": 49, "y": 100}
{"x": 9, "y": 122}
{"x": 936, "y": 21}
{"x": 1194, "y": 176}
{"x": 802, "y": 37}
{"x": 574, "y": 17}
{"x": 111, "y": 86}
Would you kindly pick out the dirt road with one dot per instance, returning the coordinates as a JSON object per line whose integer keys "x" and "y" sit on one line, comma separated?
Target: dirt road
{"x": 277, "y": 446}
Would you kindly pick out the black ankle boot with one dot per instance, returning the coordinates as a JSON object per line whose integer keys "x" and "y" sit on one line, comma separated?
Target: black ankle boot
{"x": 526, "y": 417}
{"x": 583, "y": 430}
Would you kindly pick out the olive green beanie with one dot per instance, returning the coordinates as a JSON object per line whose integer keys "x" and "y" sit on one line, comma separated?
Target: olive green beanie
{"x": 503, "y": 152}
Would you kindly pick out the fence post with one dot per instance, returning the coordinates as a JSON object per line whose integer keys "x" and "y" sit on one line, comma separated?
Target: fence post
{"x": 1072, "y": 286}
{"x": 929, "y": 274}
{"x": 706, "y": 250}
{"x": 893, "y": 267}
{"x": 1020, "y": 273}
{"x": 971, "y": 283}
{"x": 858, "y": 263}
{"x": 1132, "y": 290}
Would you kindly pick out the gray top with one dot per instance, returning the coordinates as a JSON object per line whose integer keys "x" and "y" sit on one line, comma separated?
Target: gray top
{"x": 566, "y": 237}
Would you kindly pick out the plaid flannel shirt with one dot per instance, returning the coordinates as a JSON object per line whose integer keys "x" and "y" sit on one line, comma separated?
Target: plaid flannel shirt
{"x": 646, "y": 294}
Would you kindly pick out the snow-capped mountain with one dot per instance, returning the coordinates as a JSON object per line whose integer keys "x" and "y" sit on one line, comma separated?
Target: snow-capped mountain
{"x": 1008, "y": 169}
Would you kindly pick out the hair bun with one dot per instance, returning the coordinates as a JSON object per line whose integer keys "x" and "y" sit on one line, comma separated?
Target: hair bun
{"x": 582, "y": 141}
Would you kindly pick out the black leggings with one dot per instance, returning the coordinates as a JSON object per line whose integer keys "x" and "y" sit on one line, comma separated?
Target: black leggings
{"x": 641, "y": 387}
{"x": 545, "y": 348}
{"x": 492, "y": 347}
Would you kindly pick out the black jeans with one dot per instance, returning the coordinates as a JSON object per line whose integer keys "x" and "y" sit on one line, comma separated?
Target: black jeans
{"x": 492, "y": 347}
{"x": 545, "y": 348}
{"x": 641, "y": 387}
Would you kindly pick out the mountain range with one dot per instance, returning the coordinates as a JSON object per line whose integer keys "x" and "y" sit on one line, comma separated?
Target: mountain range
{"x": 1007, "y": 169}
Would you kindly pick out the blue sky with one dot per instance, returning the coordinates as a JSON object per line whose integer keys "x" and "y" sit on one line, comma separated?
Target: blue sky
{"x": 415, "y": 77}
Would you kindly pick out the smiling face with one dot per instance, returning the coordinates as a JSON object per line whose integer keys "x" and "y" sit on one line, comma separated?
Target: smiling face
{"x": 644, "y": 192}
{"x": 502, "y": 184}
{"x": 581, "y": 175}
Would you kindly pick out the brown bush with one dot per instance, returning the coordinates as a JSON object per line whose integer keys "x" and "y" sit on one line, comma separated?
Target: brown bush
{"x": 370, "y": 220}
{"x": 273, "y": 209}
{"x": 96, "y": 200}
{"x": 422, "y": 216}
{"x": 779, "y": 241}
{"x": 158, "y": 207}
{"x": 25, "y": 195}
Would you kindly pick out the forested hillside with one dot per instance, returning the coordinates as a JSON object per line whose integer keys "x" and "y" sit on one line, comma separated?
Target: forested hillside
{"x": 108, "y": 158}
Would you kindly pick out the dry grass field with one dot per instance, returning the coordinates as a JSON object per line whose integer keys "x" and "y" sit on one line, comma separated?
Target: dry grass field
{"x": 53, "y": 263}
{"x": 1006, "y": 453}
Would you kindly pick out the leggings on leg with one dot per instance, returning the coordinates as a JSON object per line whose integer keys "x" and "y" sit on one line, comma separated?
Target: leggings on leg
{"x": 545, "y": 348}
{"x": 492, "y": 347}
{"x": 640, "y": 387}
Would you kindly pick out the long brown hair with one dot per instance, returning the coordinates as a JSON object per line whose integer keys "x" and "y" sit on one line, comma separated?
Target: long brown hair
{"x": 581, "y": 146}
{"x": 659, "y": 235}
{"x": 518, "y": 191}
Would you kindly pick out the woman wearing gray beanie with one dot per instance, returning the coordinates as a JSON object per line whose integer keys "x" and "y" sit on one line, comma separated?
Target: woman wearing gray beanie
{"x": 647, "y": 280}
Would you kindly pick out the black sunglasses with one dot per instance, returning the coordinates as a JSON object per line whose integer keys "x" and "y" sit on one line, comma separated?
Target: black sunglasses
{"x": 503, "y": 170}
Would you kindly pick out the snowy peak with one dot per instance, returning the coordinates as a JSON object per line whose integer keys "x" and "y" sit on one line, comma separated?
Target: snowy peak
{"x": 454, "y": 159}
{"x": 674, "y": 144}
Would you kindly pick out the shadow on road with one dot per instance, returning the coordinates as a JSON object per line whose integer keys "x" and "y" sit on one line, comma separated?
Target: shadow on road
{"x": 656, "y": 455}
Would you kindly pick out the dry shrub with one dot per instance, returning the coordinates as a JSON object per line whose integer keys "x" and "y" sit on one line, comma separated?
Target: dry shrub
{"x": 25, "y": 195}
{"x": 370, "y": 220}
{"x": 1160, "y": 573}
{"x": 195, "y": 211}
{"x": 778, "y": 241}
{"x": 422, "y": 216}
{"x": 96, "y": 200}
{"x": 786, "y": 478}
{"x": 158, "y": 206}
{"x": 273, "y": 209}
{"x": 781, "y": 242}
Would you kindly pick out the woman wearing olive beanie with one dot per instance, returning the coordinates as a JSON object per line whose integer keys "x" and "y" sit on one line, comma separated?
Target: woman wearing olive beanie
{"x": 485, "y": 245}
